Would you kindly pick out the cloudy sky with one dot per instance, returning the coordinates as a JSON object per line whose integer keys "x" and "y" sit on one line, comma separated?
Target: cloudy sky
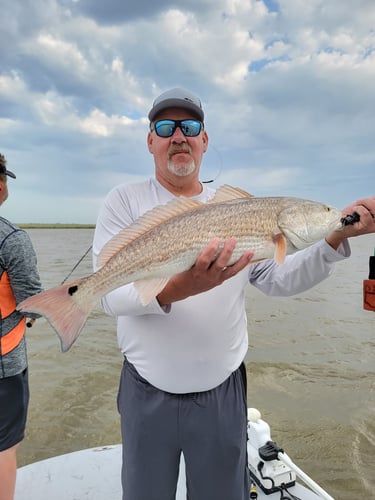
{"x": 288, "y": 88}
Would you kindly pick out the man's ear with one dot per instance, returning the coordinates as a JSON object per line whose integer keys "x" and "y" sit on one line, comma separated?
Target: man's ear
{"x": 149, "y": 142}
{"x": 205, "y": 141}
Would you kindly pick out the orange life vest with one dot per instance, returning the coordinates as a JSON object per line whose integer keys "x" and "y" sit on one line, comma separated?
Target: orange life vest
{"x": 9, "y": 340}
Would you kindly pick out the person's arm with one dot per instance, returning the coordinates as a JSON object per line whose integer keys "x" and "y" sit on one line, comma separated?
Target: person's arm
{"x": 365, "y": 208}
{"x": 306, "y": 268}
{"x": 115, "y": 215}
{"x": 300, "y": 271}
{"x": 21, "y": 265}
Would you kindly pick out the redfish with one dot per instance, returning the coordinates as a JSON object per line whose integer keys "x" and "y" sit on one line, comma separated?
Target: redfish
{"x": 168, "y": 239}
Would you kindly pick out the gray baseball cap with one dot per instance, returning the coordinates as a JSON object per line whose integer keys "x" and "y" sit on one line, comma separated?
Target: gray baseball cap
{"x": 177, "y": 98}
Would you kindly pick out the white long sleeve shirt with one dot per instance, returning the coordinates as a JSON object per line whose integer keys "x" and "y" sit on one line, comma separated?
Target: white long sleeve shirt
{"x": 198, "y": 342}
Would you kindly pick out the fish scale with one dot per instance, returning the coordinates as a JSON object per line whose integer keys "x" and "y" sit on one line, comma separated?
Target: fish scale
{"x": 182, "y": 239}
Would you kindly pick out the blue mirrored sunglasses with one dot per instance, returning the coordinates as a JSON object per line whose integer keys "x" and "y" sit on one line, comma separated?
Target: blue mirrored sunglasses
{"x": 166, "y": 128}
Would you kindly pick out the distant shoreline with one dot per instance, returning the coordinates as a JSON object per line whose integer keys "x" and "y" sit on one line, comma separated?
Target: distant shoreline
{"x": 56, "y": 226}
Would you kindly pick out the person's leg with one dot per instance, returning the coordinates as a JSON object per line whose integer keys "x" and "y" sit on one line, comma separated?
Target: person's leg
{"x": 8, "y": 470}
{"x": 214, "y": 434}
{"x": 149, "y": 429}
{"x": 14, "y": 400}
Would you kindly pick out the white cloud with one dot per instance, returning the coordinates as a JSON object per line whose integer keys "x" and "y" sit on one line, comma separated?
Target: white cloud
{"x": 60, "y": 52}
{"x": 262, "y": 180}
{"x": 288, "y": 94}
{"x": 12, "y": 87}
{"x": 98, "y": 123}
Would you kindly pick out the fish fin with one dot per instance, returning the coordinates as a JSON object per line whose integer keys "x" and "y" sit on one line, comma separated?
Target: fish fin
{"x": 229, "y": 193}
{"x": 62, "y": 310}
{"x": 145, "y": 223}
{"x": 149, "y": 289}
{"x": 280, "y": 248}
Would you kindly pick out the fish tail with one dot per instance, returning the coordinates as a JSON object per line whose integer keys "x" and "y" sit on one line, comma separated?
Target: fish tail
{"x": 64, "y": 308}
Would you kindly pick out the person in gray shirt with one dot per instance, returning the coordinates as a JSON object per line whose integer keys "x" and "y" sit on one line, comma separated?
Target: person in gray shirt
{"x": 19, "y": 279}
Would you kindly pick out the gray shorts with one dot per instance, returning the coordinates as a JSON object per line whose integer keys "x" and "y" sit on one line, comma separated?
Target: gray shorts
{"x": 209, "y": 428}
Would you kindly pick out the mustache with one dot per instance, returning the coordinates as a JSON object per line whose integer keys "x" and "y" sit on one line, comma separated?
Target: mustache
{"x": 182, "y": 148}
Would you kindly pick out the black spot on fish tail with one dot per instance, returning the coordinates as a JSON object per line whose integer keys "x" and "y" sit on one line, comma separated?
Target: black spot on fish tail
{"x": 72, "y": 290}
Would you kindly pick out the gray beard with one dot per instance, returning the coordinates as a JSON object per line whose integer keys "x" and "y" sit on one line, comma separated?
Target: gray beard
{"x": 181, "y": 170}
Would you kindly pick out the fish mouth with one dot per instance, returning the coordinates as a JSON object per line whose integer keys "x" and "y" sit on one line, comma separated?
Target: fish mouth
{"x": 336, "y": 225}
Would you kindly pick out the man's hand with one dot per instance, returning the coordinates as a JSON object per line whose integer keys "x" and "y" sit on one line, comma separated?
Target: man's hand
{"x": 365, "y": 208}
{"x": 207, "y": 272}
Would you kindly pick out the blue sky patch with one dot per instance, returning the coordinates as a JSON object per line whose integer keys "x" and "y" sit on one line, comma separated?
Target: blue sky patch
{"x": 272, "y": 5}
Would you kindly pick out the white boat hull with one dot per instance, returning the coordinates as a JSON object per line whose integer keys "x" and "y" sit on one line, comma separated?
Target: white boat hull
{"x": 95, "y": 474}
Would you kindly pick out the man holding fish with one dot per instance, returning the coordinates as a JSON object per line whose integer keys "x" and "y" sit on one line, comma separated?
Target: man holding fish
{"x": 172, "y": 258}
{"x": 183, "y": 385}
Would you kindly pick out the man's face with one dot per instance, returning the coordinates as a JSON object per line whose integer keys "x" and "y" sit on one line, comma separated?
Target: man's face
{"x": 177, "y": 155}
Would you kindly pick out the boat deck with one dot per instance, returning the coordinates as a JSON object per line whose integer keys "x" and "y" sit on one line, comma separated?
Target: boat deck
{"x": 95, "y": 474}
